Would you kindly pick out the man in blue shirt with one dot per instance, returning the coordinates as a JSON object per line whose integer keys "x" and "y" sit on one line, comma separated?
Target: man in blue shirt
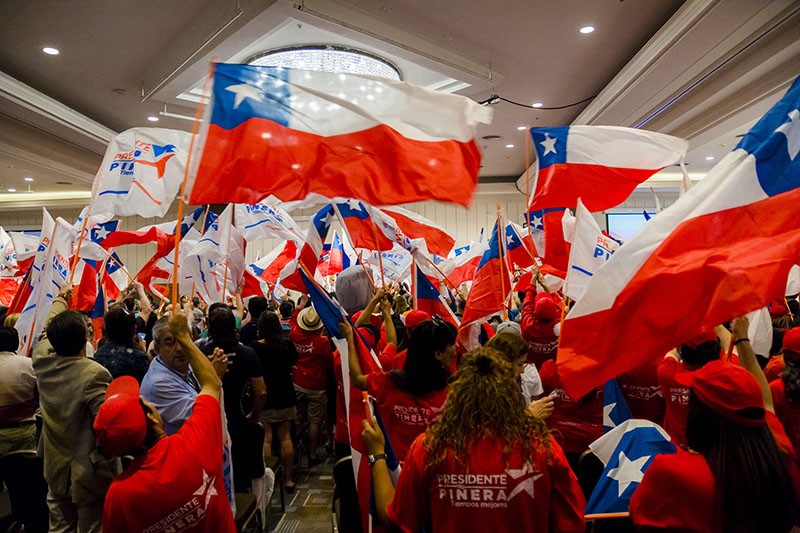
{"x": 170, "y": 384}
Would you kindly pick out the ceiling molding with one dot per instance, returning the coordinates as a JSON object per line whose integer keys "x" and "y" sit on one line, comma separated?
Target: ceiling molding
{"x": 52, "y": 110}
{"x": 675, "y": 64}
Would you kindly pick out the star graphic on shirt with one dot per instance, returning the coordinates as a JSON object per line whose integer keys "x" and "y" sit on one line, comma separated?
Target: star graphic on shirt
{"x": 549, "y": 144}
{"x": 524, "y": 477}
{"x": 628, "y": 471}
{"x": 207, "y": 487}
{"x": 244, "y": 90}
{"x": 607, "y": 409}
{"x": 100, "y": 233}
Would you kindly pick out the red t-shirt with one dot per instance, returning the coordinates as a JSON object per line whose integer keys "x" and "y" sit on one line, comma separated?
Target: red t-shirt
{"x": 177, "y": 484}
{"x": 391, "y": 359}
{"x": 314, "y": 354}
{"x": 676, "y": 397}
{"x": 495, "y": 492}
{"x": 404, "y": 416}
{"x": 576, "y": 424}
{"x": 642, "y": 393}
{"x": 788, "y": 412}
{"x": 677, "y": 491}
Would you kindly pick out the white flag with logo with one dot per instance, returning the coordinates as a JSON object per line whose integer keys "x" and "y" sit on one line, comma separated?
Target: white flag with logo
{"x": 54, "y": 273}
{"x": 590, "y": 250}
{"x": 141, "y": 172}
{"x": 266, "y": 221}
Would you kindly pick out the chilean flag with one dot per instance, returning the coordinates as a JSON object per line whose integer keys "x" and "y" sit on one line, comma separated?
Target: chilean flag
{"x": 462, "y": 267}
{"x": 161, "y": 234}
{"x": 115, "y": 278}
{"x": 415, "y": 226}
{"x": 429, "y": 299}
{"x": 553, "y": 249}
{"x": 519, "y": 246}
{"x": 85, "y": 294}
{"x": 490, "y": 289}
{"x": 599, "y": 164}
{"x": 722, "y": 249}
{"x": 290, "y": 133}
{"x": 309, "y": 254}
{"x": 269, "y": 267}
{"x": 338, "y": 258}
{"x": 362, "y": 230}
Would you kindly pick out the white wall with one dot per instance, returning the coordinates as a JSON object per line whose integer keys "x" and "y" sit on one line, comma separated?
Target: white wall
{"x": 463, "y": 223}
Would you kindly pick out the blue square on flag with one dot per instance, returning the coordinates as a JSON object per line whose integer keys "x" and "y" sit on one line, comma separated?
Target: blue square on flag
{"x": 638, "y": 443}
{"x": 242, "y": 92}
{"x": 551, "y": 145}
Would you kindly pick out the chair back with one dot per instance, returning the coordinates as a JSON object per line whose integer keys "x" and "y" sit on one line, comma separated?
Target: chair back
{"x": 349, "y": 513}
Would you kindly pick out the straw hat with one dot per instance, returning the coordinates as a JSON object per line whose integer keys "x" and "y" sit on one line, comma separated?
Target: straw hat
{"x": 309, "y": 320}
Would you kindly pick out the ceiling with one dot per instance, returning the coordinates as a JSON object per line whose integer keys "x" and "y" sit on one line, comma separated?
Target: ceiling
{"x": 700, "y": 69}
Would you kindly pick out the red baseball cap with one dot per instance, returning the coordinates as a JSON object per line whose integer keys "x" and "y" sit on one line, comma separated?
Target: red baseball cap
{"x": 120, "y": 424}
{"x": 726, "y": 389}
{"x": 414, "y": 318}
{"x": 791, "y": 345}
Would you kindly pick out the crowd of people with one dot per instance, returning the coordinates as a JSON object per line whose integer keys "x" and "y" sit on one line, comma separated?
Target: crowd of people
{"x": 153, "y": 425}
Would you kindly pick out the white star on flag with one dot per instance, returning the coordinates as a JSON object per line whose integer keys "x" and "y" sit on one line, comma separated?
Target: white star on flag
{"x": 792, "y": 134}
{"x": 549, "y": 144}
{"x": 607, "y": 409}
{"x": 326, "y": 220}
{"x": 628, "y": 471}
{"x": 525, "y": 476}
{"x": 100, "y": 233}
{"x": 244, "y": 90}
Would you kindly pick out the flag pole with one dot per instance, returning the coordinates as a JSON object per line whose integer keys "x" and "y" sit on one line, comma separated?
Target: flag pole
{"x": 413, "y": 283}
{"x": 602, "y": 516}
{"x": 195, "y": 127}
{"x": 502, "y": 261}
{"x": 80, "y": 241}
{"x": 380, "y": 256}
{"x": 528, "y": 179}
{"x": 444, "y": 276}
{"x": 369, "y": 277}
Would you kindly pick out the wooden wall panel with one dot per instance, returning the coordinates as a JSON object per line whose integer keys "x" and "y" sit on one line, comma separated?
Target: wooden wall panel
{"x": 463, "y": 223}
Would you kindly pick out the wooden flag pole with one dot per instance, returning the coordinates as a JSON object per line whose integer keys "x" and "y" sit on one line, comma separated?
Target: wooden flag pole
{"x": 80, "y": 241}
{"x": 182, "y": 198}
{"x": 414, "y": 282}
{"x": 369, "y": 276}
{"x": 602, "y": 516}
{"x": 502, "y": 260}
{"x": 444, "y": 276}
{"x": 528, "y": 179}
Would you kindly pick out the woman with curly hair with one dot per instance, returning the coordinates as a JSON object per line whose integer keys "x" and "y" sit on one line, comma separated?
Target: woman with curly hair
{"x": 485, "y": 465}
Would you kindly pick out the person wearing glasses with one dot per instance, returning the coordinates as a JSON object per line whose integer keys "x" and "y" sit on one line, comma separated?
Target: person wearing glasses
{"x": 411, "y": 399}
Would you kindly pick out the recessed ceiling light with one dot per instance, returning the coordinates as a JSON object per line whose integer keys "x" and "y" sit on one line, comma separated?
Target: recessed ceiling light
{"x": 49, "y": 50}
{"x": 151, "y": 118}
{"x": 509, "y": 146}
{"x": 710, "y": 158}
{"x": 587, "y": 29}
{"x": 537, "y": 104}
{"x": 520, "y": 128}
{"x": 28, "y": 179}
{"x": 11, "y": 189}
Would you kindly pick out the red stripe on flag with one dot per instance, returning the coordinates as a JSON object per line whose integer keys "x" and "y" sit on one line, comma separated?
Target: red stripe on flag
{"x": 710, "y": 269}
{"x": 377, "y": 165}
{"x": 597, "y": 186}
